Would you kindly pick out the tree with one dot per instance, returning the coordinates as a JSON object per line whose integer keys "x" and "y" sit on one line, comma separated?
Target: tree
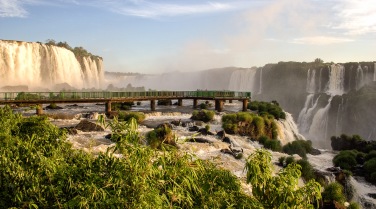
{"x": 318, "y": 60}
{"x": 281, "y": 190}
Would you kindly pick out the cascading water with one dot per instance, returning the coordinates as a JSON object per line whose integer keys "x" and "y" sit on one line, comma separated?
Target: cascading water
{"x": 320, "y": 80}
{"x": 359, "y": 78}
{"x": 260, "y": 89}
{"x": 319, "y": 127}
{"x": 340, "y": 111}
{"x": 243, "y": 80}
{"x": 311, "y": 81}
{"x": 38, "y": 65}
{"x": 307, "y": 113}
{"x": 288, "y": 130}
{"x": 336, "y": 84}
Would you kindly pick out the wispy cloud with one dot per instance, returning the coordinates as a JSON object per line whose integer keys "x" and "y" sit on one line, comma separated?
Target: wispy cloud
{"x": 355, "y": 17}
{"x": 320, "y": 40}
{"x": 12, "y": 8}
{"x": 148, "y": 9}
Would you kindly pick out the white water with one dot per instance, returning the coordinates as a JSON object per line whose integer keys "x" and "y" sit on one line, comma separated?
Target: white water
{"x": 319, "y": 127}
{"x": 243, "y": 80}
{"x": 40, "y": 66}
{"x": 311, "y": 81}
{"x": 320, "y": 80}
{"x": 336, "y": 83}
{"x": 260, "y": 89}
{"x": 288, "y": 130}
{"x": 307, "y": 113}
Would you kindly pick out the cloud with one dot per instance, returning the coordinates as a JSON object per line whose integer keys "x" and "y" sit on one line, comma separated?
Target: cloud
{"x": 148, "y": 9}
{"x": 320, "y": 40}
{"x": 355, "y": 17}
{"x": 12, "y": 8}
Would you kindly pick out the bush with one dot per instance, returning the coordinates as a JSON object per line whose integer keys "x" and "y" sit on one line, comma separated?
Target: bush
{"x": 126, "y": 116}
{"x": 122, "y": 106}
{"x": 270, "y": 108}
{"x": 300, "y": 147}
{"x": 370, "y": 168}
{"x": 273, "y": 144}
{"x": 346, "y": 159}
{"x": 334, "y": 192}
{"x": 160, "y": 136}
{"x": 203, "y": 115}
{"x": 306, "y": 169}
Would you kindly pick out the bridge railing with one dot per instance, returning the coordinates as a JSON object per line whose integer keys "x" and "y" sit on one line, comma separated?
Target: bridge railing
{"x": 115, "y": 95}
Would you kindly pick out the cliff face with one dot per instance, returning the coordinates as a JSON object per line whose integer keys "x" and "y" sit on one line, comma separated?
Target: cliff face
{"x": 324, "y": 99}
{"x": 41, "y": 66}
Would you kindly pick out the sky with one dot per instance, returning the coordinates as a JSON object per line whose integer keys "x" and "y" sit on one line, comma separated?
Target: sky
{"x": 159, "y": 36}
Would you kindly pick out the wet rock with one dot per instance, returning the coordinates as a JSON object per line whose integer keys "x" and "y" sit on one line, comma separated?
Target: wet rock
{"x": 198, "y": 140}
{"x": 221, "y": 134}
{"x": 315, "y": 152}
{"x": 193, "y": 128}
{"x": 236, "y": 153}
{"x": 87, "y": 126}
{"x": 71, "y": 130}
{"x": 205, "y": 132}
{"x": 176, "y": 122}
{"x": 227, "y": 140}
{"x": 53, "y": 107}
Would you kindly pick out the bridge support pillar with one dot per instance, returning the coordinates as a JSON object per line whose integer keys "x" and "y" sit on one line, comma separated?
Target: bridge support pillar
{"x": 195, "y": 102}
{"x": 152, "y": 105}
{"x": 108, "y": 107}
{"x": 219, "y": 105}
{"x": 230, "y": 101}
{"x": 180, "y": 102}
{"x": 245, "y": 105}
{"x": 39, "y": 109}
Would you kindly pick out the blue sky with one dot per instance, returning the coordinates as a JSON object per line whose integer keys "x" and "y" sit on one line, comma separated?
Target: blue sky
{"x": 156, "y": 36}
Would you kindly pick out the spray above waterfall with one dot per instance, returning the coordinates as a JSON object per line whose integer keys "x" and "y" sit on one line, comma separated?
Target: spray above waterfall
{"x": 43, "y": 66}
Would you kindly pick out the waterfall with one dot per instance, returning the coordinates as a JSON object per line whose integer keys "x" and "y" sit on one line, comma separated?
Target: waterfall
{"x": 319, "y": 127}
{"x": 311, "y": 82}
{"x": 243, "y": 80}
{"x": 320, "y": 78}
{"x": 359, "y": 81}
{"x": 42, "y": 66}
{"x": 336, "y": 84}
{"x": 306, "y": 115}
{"x": 288, "y": 130}
{"x": 260, "y": 89}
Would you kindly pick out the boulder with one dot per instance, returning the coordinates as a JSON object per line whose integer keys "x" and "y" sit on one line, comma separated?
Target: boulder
{"x": 221, "y": 134}
{"x": 227, "y": 140}
{"x": 87, "y": 126}
{"x": 198, "y": 140}
{"x": 193, "y": 128}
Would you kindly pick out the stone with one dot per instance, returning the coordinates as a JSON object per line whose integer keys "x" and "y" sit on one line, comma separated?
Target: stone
{"x": 87, "y": 126}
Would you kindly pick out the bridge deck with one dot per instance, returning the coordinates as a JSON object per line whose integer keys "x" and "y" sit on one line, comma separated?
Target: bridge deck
{"x": 40, "y": 98}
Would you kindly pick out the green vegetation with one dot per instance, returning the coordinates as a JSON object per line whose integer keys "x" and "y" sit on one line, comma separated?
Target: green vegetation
{"x": 271, "y": 144}
{"x": 281, "y": 190}
{"x": 300, "y": 147}
{"x": 39, "y": 169}
{"x": 161, "y": 136}
{"x": 356, "y": 153}
{"x": 203, "y": 115}
{"x": 122, "y": 106}
{"x": 79, "y": 52}
{"x": 307, "y": 171}
{"x": 250, "y": 124}
{"x": 345, "y": 142}
{"x": 271, "y": 108}
{"x": 26, "y": 96}
{"x": 126, "y": 116}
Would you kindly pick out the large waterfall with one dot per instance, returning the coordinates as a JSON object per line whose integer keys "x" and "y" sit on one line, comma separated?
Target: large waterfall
{"x": 41, "y": 66}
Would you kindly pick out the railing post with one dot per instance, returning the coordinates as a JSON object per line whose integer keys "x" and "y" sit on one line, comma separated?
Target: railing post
{"x": 152, "y": 105}
{"x": 245, "y": 105}
{"x": 219, "y": 105}
{"x": 195, "y": 101}
{"x": 108, "y": 107}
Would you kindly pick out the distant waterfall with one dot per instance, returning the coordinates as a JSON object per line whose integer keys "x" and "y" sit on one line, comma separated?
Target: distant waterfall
{"x": 320, "y": 79}
{"x": 42, "y": 66}
{"x": 336, "y": 84}
{"x": 319, "y": 127}
{"x": 307, "y": 113}
{"x": 243, "y": 80}
{"x": 260, "y": 89}
{"x": 311, "y": 81}
{"x": 359, "y": 78}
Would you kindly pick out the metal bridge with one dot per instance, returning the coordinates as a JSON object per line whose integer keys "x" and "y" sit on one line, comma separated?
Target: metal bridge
{"x": 40, "y": 98}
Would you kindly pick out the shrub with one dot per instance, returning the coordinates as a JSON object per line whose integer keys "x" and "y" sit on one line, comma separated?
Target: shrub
{"x": 269, "y": 108}
{"x": 122, "y": 106}
{"x": 334, "y": 192}
{"x": 345, "y": 159}
{"x": 300, "y": 147}
{"x": 161, "y": 135}
{"x": 126, "y": 116}
{"x": 370, "y": 168}
{"x": 273, "y": 144}
{"x": 203, "y": 115}
{"x": 307, "y": 169}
